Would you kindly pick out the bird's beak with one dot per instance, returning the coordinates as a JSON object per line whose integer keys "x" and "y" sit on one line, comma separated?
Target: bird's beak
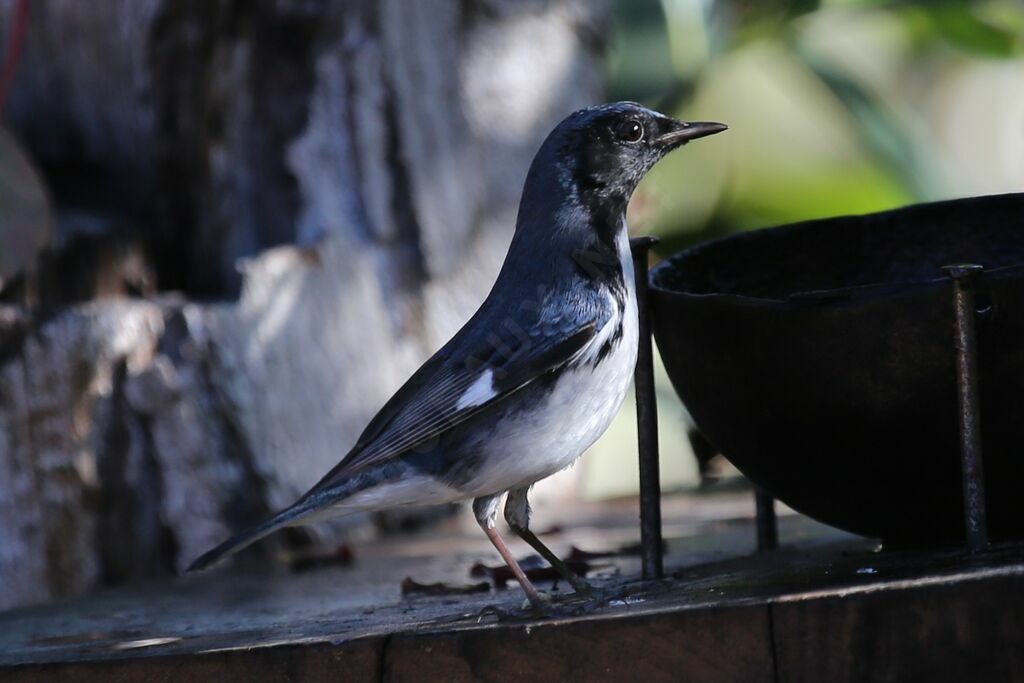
{"x": 682, "y": 132}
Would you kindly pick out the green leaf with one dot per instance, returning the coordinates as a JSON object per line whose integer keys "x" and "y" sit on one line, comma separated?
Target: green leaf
{"x": 965, "y": 30}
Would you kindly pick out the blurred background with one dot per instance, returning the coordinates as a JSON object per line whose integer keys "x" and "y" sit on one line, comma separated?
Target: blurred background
{"x": 230, "y": 230}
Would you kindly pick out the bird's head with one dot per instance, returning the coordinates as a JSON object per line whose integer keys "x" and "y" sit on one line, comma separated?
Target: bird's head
{"x": 601, "y": 153}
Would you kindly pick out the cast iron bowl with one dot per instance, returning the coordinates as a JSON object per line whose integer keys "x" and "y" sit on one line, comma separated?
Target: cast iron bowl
{"x": 819, "y": 357}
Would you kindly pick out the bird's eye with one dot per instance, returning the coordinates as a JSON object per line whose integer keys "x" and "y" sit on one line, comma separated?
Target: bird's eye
{"x": 629, "y": 130}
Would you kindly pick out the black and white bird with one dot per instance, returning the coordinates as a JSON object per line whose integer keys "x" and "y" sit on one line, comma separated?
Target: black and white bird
{"x": 538, "y": 373}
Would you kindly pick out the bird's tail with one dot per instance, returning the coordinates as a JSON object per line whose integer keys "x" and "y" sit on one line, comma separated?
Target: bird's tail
{"x": 289, "y": 516}
{"x": 319, "y": 503}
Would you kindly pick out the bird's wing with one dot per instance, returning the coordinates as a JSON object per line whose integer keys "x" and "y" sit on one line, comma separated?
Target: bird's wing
{"x": 463, "y": 379}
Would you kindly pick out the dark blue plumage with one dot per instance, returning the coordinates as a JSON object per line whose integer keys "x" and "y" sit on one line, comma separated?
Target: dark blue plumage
{"x": 538, "y": 372}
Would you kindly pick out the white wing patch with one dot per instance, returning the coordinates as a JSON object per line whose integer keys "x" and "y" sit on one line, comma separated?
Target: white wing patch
{"x": 479, "y": 392}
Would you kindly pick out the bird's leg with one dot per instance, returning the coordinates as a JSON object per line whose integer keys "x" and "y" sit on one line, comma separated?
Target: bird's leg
{"x": 517, "y": 514}
{"x": 486, "y": 510}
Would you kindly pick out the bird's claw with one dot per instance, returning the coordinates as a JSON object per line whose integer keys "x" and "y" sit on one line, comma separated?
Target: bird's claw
{"x": 538, "y": 603}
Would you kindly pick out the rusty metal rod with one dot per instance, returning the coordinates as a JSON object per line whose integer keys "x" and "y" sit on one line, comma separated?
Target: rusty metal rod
{"x": 647, "y": 421}
{"x": 964, "y": 277}
{"x": 767, "y": 523}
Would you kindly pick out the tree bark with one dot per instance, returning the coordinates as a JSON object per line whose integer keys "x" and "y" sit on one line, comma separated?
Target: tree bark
{"x": 332, "y": 187}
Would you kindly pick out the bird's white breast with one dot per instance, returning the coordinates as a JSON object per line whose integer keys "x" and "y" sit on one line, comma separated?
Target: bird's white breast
{"x": 577, "y": 411}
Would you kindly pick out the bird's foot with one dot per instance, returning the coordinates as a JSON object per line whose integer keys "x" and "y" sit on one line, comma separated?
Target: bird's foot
{"x": 538, "y": 603}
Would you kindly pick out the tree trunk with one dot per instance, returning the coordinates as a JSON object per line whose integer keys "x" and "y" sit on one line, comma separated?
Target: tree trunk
{"x": 331, "y": 186}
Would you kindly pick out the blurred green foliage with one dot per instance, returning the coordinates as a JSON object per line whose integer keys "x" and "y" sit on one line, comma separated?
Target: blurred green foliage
{"x": 835, "y": 106}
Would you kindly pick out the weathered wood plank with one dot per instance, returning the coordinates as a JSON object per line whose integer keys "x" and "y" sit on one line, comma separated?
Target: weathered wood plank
{"x": 967, "y": 630}
{"x": 710, "y": 645}
{"x": 319, "y": 663}
{"x": 833, "y": 613}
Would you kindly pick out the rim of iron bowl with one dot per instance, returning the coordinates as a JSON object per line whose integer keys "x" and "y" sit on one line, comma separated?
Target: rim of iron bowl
{"x": 667, "y": 279}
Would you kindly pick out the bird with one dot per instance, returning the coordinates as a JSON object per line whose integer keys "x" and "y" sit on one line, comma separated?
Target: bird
{"x": 538, "y": 372}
